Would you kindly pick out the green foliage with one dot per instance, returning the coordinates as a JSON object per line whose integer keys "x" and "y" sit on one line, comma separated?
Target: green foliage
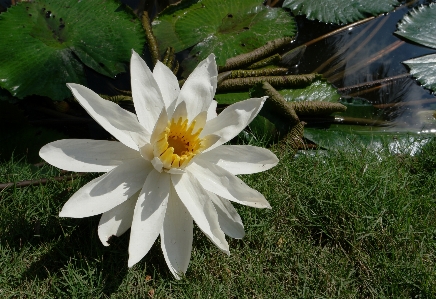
{"x": 226, "y": 28}
{"x": 419, "y": 26}
{"x": 319, "y": 90}
{"x": 339, "y": 11}
{"x": 46, "y": 44}
{"x": 342, "y": 225}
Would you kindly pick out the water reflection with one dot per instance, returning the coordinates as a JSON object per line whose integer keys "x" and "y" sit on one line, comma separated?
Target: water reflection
{"x": 365, "y": 61}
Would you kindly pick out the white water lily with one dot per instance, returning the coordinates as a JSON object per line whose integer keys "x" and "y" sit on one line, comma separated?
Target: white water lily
{"x": 170, "y": 166}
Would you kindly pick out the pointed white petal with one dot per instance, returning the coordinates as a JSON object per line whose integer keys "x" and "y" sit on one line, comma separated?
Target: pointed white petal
{"x": 146, "y": 93}
{"x": 168, "y": 83}
{"x": 233, "y": 120}
{"x": 221, "y": 182}
{"x": 107, "y": 191}
{"x": 86, "y": 155}
{"x": 201, "y": 208}
{"x": 149, "y": 215}
{"x": 228, "y": 217}
{"x": 180, "y": 111}
{"x": 241, "y": 159}
{"x": 118, "y": 122}
{"x": 176, "y": 235}
{"x": 211, "y": 111}
{"x": 161, "y": 124}
{"x": 199, "y": 88}
{"x": 117, "y": 221}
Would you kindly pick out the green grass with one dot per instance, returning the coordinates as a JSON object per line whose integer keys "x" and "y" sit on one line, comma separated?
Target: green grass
{"x": 342, "y": 225}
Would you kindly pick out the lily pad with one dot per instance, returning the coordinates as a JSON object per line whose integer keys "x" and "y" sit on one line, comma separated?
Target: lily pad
{"x": 226, "y": 28}
{"x": 420, "y": 26}
{"x": 354, "y": 138}
{"x": 46, "y": 44}
{"x": 339, "y": 11}
{"x": 319, "y": 90}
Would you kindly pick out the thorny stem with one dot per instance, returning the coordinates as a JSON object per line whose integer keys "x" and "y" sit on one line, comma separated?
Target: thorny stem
{"x": 276, "y": 81}
{"x": 257, "y": 73}
{"x": 151, "y": 39}
{"x": 278, "y": 104}
{"x": 255, "y": 55}
{"x": 266, "y": 61}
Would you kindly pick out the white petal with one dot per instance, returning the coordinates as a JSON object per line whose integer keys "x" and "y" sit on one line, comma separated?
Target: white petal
{"x": 146, "y": 93}
{"x": 211, "y": 111}
{"x": 161, "y": 124}
{"x": 180, "y": 111}
{"x": 107, "y": 191}
{"x": 228, "y": 217}
{"x": 241, "y": 159}
{"x": 221, "y": 182}
{"x": 176, "y": 235}
{"x": 168, "y": 83}
{"x": 233, "y": 119}
{"x": 85, "y": 155}
{"x": 149, "y": 215}
{"x": 201, "y": 208}
{"x": 117, "y": 221}
{"x": 199, "y": 88}
{"x": 118, "y": 122}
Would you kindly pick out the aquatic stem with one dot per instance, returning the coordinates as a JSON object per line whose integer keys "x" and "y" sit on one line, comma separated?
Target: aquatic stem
{"x": 353, "y": 53}
{"x": 246, "y": 59}
{"x": 362, "y": 64}
{"x": 276, "y": 81}
{"x": 313, "y": 41}
{"x": 257, "y": 73}
{"x": 344, "y": 48}
{"x": 149, "y": 36}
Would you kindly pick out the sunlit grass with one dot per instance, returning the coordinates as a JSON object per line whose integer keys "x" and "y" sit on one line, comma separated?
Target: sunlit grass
{"x": 342, "y": 225}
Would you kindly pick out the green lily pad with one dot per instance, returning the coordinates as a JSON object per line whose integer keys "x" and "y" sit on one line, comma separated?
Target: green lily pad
{"x": 231, "y": 97}
{"x": 319, "y": 90}
{"x": 424, "y": 69}
{"x": 339, "y": 11}
{"x": 226, "y": 28}
{"x": 46, "y": 44}
{"x": 354, "y": 138}
{"x": 420, "y": 26}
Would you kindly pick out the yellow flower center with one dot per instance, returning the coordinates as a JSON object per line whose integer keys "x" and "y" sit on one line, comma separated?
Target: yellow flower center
{"x": 178, "y": 144}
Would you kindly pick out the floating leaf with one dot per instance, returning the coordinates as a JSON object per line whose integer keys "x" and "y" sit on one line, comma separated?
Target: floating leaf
{"x": 231, "y": 97}
{"x": 339, "y": 11}
{"x": 45, "y": 44}
{"x": 319, "y": 90}
{"x": 354, "y": 138}
{"x": 226, "y": 28}
{"x": 420, "y": 26}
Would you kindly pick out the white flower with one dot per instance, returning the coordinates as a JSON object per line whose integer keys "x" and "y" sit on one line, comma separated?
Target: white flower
{"x": 170, "y": 166}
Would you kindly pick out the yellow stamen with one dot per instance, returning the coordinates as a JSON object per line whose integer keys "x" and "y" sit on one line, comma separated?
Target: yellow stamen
{"x": 178, "y": 144}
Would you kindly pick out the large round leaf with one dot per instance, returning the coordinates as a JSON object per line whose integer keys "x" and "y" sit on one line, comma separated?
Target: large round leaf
{"x": 319, "y": 90}
{"x": 226, "y": 28}
{"x": 45, "y": 44}
{"x": 420, "y": 27}
{"x": 339, "y": 11}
